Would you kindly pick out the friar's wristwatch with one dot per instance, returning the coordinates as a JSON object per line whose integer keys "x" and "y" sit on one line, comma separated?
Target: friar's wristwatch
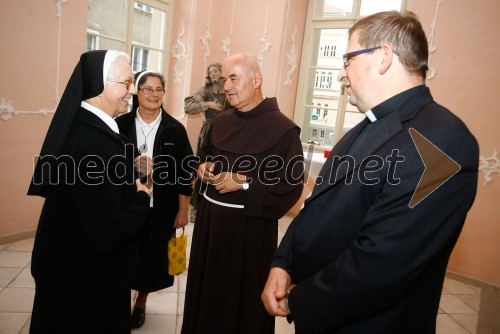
{"x": 246, "y": 184}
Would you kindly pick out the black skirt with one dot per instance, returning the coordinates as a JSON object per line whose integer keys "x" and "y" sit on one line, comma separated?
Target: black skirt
{"x": 153, "y": 253}
{"x": 54, "y": 316}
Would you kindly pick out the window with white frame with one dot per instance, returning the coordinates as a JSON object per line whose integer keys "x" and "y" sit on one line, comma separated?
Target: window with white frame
{"x": 142, "y": 29}
{"x": 92, "y": 40}
{"x": 325, "y": 41}
{"x": 139, "y": 59}
{"x": 142, "y": 7}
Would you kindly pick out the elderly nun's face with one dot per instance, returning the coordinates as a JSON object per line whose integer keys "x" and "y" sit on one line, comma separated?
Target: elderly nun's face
{"x": 116, "y": 95}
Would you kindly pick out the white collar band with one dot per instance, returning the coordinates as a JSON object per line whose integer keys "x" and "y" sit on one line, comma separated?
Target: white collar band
{"x": 371, "y": 116}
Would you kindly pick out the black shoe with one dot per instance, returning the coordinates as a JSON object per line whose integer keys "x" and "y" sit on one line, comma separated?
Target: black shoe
{"x": 138, "y": 318}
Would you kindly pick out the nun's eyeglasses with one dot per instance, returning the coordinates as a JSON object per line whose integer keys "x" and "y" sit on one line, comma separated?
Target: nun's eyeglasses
{"x": 127, "y": 83}
{"x": 150, "y": 91}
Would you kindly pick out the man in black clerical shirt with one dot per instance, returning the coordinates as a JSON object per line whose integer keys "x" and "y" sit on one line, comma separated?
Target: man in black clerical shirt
{"x": 368, "y": 252}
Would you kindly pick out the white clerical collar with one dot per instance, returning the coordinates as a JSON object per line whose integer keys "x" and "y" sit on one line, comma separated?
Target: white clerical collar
{"x": 102, "y": 115}
{"x": 370, "y": 116}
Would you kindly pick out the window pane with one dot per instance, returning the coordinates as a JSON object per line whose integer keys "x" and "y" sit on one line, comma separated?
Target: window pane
{"x": 323, "y": 98}
{"x": 324, "y": 114}
{"x": 110, "y": 44}
{"x": 352, "y": 118}
{"x": 369, "y": 7}
{"x": 92, "y": 42}
{"x": 107, "y": 18}
{"x": 139, "y": 59}
{"x": 328, "y": 8}
{"x": 147, "y": 37}
{"x": 322, "y": 129}
{"x": 146, "y": 59}
{"x": 319, "y": 132}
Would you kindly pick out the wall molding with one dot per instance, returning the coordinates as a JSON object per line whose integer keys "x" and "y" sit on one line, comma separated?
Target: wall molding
{"x": 292, "y": 59}
{"x": 226, "y": 42}
{"x": 265, "y": 44}
{"x": 489, "y": 166}
{"x": 432, "y": 70}
{"x": 7, "y": 110}
{"x": 207, "y": 36}
{"x": 178, "y": 50}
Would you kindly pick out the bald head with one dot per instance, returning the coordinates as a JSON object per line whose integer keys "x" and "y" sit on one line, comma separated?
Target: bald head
{"x": 249, "y": 61}
{"x": 242, "y": 81}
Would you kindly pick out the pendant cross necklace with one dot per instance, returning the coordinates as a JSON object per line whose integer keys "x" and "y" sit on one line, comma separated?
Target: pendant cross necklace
{"x": 144, "y": 147}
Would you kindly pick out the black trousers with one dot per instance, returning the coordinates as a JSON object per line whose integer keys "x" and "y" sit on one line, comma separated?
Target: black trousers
{"x": 77, "y": 317}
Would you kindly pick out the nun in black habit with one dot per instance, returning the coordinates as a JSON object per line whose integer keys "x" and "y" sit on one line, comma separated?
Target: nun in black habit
{"x": 85, "y": 244}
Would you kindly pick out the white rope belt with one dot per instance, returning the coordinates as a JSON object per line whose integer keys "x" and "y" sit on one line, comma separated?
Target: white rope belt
{"x": 227, "y": 205}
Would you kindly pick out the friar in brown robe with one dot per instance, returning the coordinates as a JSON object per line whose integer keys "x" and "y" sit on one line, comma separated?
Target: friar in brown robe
{"x": 236, "y": 231}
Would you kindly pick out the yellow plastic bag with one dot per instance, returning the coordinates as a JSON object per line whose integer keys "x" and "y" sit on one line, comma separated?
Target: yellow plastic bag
{"x": 177, "y": 254}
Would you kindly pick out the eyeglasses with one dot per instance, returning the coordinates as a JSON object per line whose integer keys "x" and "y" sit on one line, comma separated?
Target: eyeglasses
{"x": 127, "y": 82}
{"x": 150, "y": 91}
{"x": 353, "y": 54}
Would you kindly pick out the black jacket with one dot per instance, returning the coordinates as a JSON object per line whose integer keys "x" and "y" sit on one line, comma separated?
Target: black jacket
{"x": 363, "y": 260}
{"x": 171, "y": 154}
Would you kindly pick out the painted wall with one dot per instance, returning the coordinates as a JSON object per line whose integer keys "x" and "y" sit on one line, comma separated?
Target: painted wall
{"x": 466, "y": 59}
{"x": 33, "y": 79}
{"x": 244, "y": 23}
{"x": 36, "y": 64}
{"x": 42, "y": 41}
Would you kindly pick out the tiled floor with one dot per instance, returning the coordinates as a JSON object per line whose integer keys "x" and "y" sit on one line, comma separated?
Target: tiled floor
{"x": 466, "y": 306}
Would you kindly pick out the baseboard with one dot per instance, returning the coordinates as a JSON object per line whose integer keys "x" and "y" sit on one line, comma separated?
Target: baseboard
{"x": 469, "y": 280}
{"x": 7, "y": 239}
